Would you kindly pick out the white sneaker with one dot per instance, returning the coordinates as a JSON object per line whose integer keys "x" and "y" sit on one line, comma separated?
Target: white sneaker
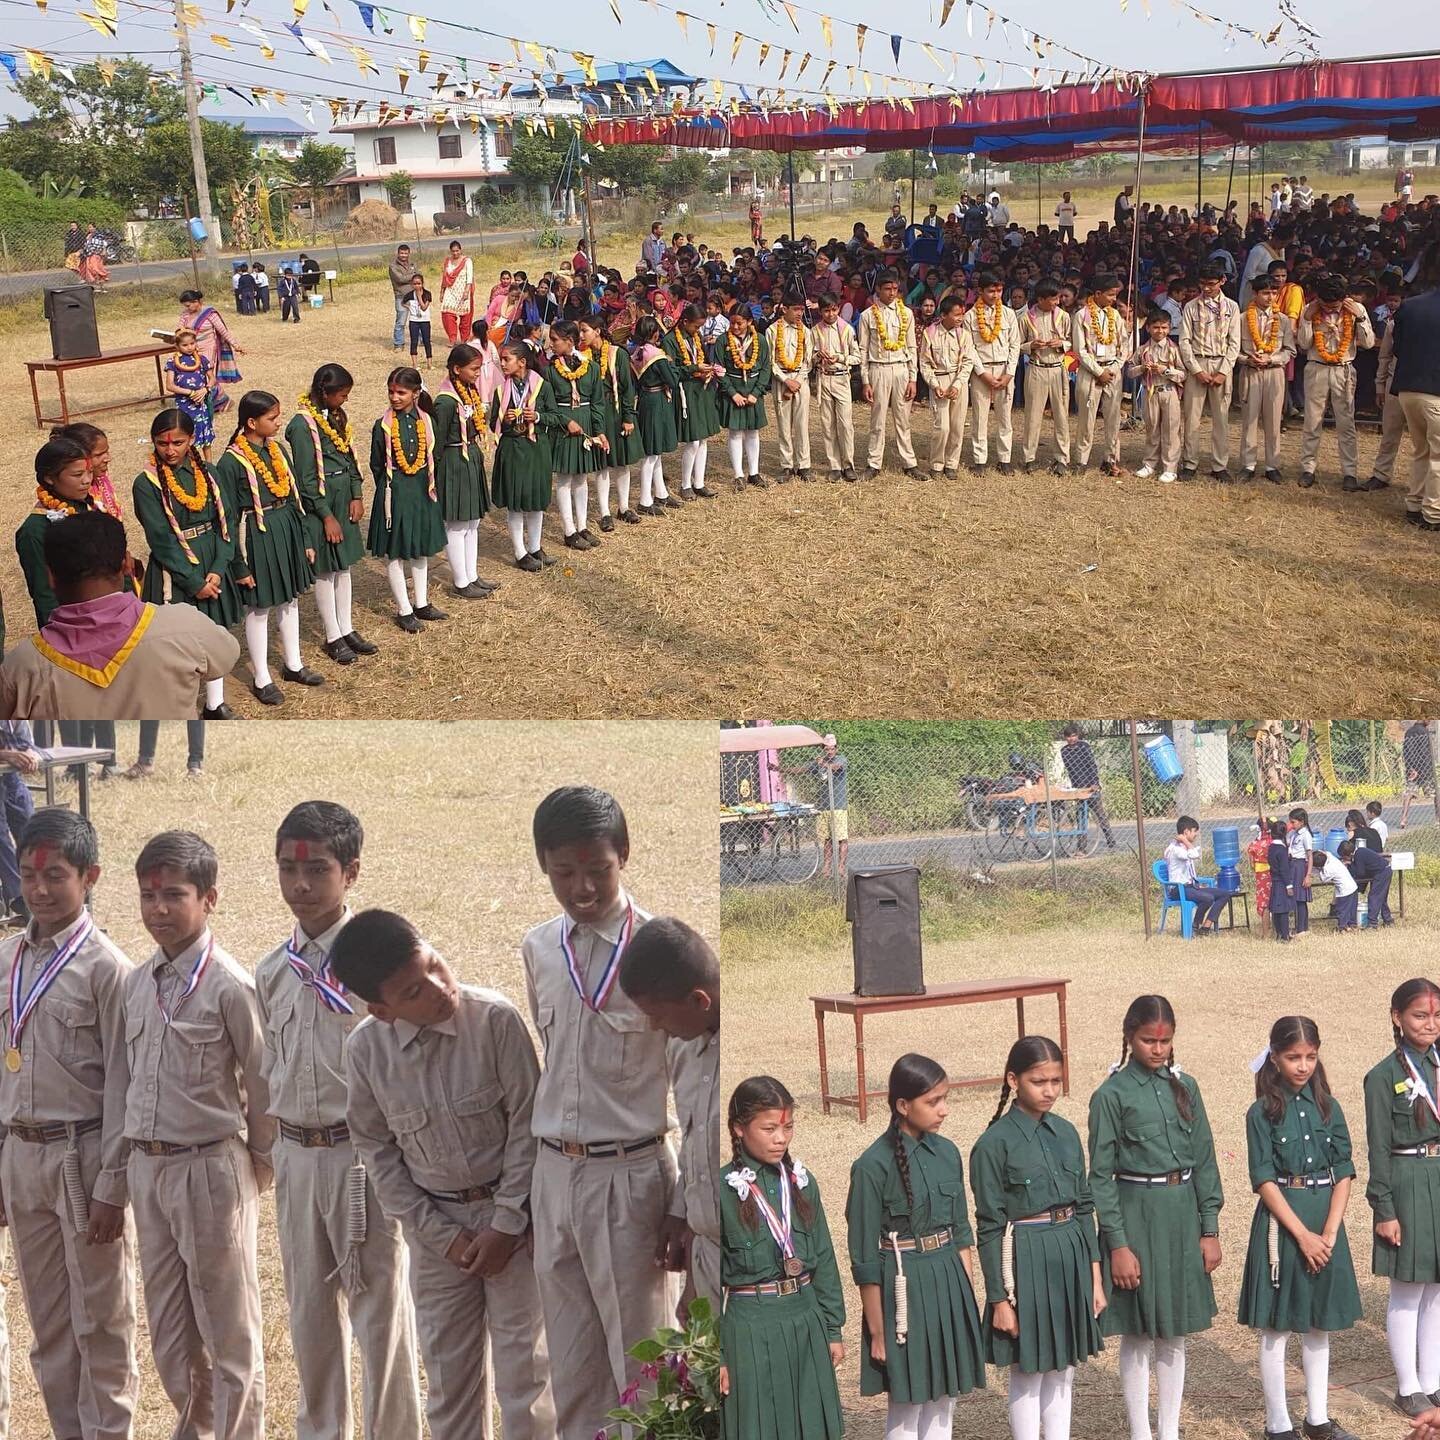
{"x": 1168, "y": 478}
{"x": 1144, "y": 472}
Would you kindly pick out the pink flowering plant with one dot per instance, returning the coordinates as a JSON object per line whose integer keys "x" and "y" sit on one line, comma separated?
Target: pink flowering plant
{"x": 676, "y": 1395}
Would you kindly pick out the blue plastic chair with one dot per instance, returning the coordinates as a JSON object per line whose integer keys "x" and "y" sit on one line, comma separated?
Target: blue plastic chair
{"x": 1172, "y": 898}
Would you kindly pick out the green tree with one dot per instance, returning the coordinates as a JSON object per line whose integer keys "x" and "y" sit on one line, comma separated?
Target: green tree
{"x": 686, "y": 174}
{"x": 315, "y": 167}
{"x": 632, "y": 167}
{"x": 400, "y": 191}
{"x": 536, "y": 160}
{"x": 166, "y": 169}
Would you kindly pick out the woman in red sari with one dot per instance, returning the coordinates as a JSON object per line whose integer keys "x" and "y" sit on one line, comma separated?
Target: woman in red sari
{"x": 457, "y": 295}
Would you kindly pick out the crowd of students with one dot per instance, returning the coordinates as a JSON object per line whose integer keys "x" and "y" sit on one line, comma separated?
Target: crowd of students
{"x": 518, "y": 1222}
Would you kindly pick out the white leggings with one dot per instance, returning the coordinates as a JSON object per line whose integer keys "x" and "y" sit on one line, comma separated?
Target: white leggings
{"x": 693, "y": 455}
{"x": 619, "y": 476}
{"x": 257, "y": 639}
{"x": 462, "y": 545}
{"x": 214, "y": 693}
{"x": 524, "y": 527}
{"x": 1040, "y": 1404}
{"x": 1169, "y": 1355}
{"x": 652, "y": 480}
{"x": 332, "y": 600}
{"x": 419, "y": 573}
{"x": 744, "y": 452}
{"x": 1315, "y": 1358}
{"x": 572, "y": 496}
{"x": 1412, "y": 1329}
{"x": 933, "y": 1420}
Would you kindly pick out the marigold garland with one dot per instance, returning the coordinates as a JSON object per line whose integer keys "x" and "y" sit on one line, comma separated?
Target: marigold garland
{"x": 691, "y": 348}
{"x": 341, "y": 443}
{"x": 470, "y": 397}
{"x": 1322, "y": 347}
{"x": 898, "y": 343}
{"x": 48, "y": 500}
{"x": 397, "y": 448}
{"x": 579, "y": 372}
{"x": 745, "y": 364}
{"x": 788, "y": 358}
{"x": 1104, "y": 333}
{"x": 1263, "y": 345}
{"x": 272, "y": 470}
{"x": 989, "y": 333}
{"x": 194, "y": 502}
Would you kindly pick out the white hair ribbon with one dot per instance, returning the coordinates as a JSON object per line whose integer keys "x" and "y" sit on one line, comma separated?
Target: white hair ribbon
{"x": 1258, "y": 1063}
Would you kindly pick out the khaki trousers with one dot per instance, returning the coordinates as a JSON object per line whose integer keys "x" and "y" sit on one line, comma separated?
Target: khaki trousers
{"x": 792, "y": 420}
{"x": 1422, "y": 416}
{"x": 1091, "y": 397}
{"x": 1162, "y": 428}
{"x": 596, "y": 1222}
{"x": 888, "y": 382}
{"x": 1332, "y": 385}
{"x": 80, "y": 1298}
{"x": 1046, "y": 385}
{"x": 705, "y": 1270}
{"x": 330, "y": 1301}
{"x": 947, "y": 425}
{"x": 1392, "y": 432}
{"x": 837, "y": 420}
{"x": 1215, "y": 399}
{"x": 1262, "y": 404}
{"x": 197, "y": 1218}
{"x": 454, "y": 1314}
{"x": 982, "y": 397}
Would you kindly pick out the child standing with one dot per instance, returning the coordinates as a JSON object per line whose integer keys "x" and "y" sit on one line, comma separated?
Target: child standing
{"x": 454, "y": 1171}
{"x": 910, "y": 1254}
{"x": 1101, "y": 346}
{"x": 188, "y": 379}
{"x": 994, "y": 334}
{"x": 946, "y": 360}
{"x": 601, "y": 1115}
{"x": 889, "y": 368}
{"x": 523, "y": 415}
{"x": 1209, "y": 348}
{"x": 1034, "y": 1219}
{"x": 1300, "y": 845}
{"x": 62, "y": 1102}
{"x": 1402, "y": 1135}
{"x": 1045, "y": 337}
{"x": 746, "y": 360}
{"x": 460, "y": 466}
{"x": 1157, "y": 1192}
{"x": 1299, "y": 1278}
{"x": 405, "y": 524}
{"x": 1156, "y": 364}
{"x": 344, "y": 1258}
{"x": 699, "y": 417}
{"x": 1329, "y": 870}
{"x": 791, "y": 360}
{"x": 1267, "y": 347}
{"x": 836, "y": 356}
{"x": 322, "y": 447}
{"x": 193, "y": 1082}
{"x": 1282, "y": 884}
{"x": 781, "y": 1333}
{"x": 417, "y": 315}
{"x": 617, "y": 409}
{"x": 62, "y": 487}
{"x": 1332, "y": 329}
{"x": 289, "y": 291}
{"x": 656, "y": 386}
{"x": 262, "y": 288}
{"x": 1373, "y": 869}
{"x": 578, "y": 449}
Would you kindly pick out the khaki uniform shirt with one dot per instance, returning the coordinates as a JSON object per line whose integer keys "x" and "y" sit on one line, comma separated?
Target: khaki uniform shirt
{"x": 947, "y": 356}
{"x": 195, "y": 1080}
{"x": 1044, "y": 325}
{"x": 1165, "y": 354}
{"x": 1094, "y": 354}
{"x": 1004, "y": 349}
{"x": 304, "y": 1061}
{"x": 837, "y": 352}
{"x": 604, "y": 1077}
{"x": 69, "y": 1044}
{"x": 872, "y": 348}
{"x": 1362, "y": 338}
{"x": 781, "y": 336}
{"x": 1265, "y": 321}
{"x": 443, "y": 1107}
{"x": 1210, "y": 334}
{"x": 695, "y": 1074}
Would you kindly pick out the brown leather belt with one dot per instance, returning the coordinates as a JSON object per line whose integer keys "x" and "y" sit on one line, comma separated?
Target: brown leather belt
{"x": 770, "y": 1287}
{"x": 326, "y": 1137}
{"x": 48, "y": 1134}
{"x": 1055, "y": 1215}
{"x": 600, "y": 1149}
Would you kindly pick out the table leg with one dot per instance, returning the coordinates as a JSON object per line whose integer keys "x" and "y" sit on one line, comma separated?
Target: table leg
{"x": 64, "y": 403}
{"x": 50, "y": 785}
{"x": 159, "y": 380}
{"x": 860, "y": 1061}
{"x": 1245, "y": 900}
{"x": 1064, "y": 1041}
{"x": 85, "y": 791}
{"x": 1402, "y": 894}
{"x": 1020, "y": 1015}
{"x": 35, "y": 396}
{"x": 824, "y": 1066}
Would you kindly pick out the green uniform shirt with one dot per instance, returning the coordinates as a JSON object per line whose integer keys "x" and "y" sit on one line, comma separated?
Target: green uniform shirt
{"x": 342, "y": 470}
{"x": 750, "y": 1256}
{"x": 1136, "y": 1129}
{"x": 1300, "y": 1142}
{"x": 1019, "y": 1167}
{"x": 878, "y": 1203}
{"x": 1393, "y": 1121}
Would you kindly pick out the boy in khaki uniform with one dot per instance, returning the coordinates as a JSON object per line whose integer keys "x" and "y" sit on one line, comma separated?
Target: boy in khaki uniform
{"x": 193, "y": 1082}
{"x": 1044, "y": 338}
{"x": 1267, "y": 345}
{"x": 1156, "y": 364}
{"x": 1331, "y": 330}
{"x": 604, "y": 1175}
{"x": 441, "y": 1082}
{"x": 946, "y": 360}
{"x": 670, "y": 972}
{"x": 791, "y": 360}
{"x": 344, "y": 1258}
{"x": 994, "y": 335}
{"x": 836, "y": 355}
{"x": 1392, "y": 417}
{"x": 888, "y": 368}
{"x": 1101, "y": 346}
{"x": 62, "y": 1166}
{"x": 1209, "y": 348}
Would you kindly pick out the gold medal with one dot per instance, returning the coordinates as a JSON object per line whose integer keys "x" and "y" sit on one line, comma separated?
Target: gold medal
{"x": 12, "y": 1059}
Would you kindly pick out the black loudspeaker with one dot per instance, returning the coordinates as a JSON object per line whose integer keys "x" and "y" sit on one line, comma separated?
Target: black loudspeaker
{"x": 883, "y": 908}
{"x": 71, "y": 313}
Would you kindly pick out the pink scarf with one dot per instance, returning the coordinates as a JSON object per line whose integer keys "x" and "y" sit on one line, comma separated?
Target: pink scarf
{"x": 94, "y": 638}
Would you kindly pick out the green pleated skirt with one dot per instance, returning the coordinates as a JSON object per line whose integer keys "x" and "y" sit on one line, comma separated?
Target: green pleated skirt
{"x": 701, "y": 417}
{"x": 1175, "y": 1296}
{"x": 1054, "y": 1302}
{"x": 159, "y": 586}
{"x": 782, "y": 1384}
{"x": 942, "y": 1354}
{"x": 460, "y": 484}
{"x": 742, "y": 417}
{"x": 276, "y": 557}
{"x": 569, "y": 455}
{"x": 331, "y": 559}
{"x": 521, "y": 477}
{"x": 414, "y": 530}
{"x": 655, "y": 420}
{"x": 1329, "y": 1300}
{"x": 624, "y": 449}
{"x": 1415, "y": 1184}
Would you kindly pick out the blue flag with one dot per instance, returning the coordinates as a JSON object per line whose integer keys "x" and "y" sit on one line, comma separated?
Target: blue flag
{"x": 8, "y": 61}
{"x": 895, "y": 47}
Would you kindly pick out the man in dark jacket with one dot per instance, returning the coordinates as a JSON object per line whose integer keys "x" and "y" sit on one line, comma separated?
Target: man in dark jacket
{"x": 1083, "y": 771}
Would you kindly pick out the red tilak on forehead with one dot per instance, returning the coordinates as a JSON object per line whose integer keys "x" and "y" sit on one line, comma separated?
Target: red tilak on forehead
{"x": 42, "y": 856}
{"x": 155, "y": 880}
{"x": 302, "y": 850}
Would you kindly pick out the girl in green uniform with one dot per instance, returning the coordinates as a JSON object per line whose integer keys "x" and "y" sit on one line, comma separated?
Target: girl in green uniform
{"x": 273, "y": 562}
{"x": 1034, "y": 1222}
{"x": 746, "y": 360}
{"x": 523, "y": 415}
{"x": 910, "y": 1243}
{"x": 1298, "y": 1278}
{"x": 460, "y": 467}
{"x": 656, "y": 383}
{"x": 405, "y": 525}
{"x": 1402, "y": 1133}
{"x": 784, "y": 1311}
{"x": 617, "y": 409}
{"x": 322, "y": 448}
{"x": 1157, "y": 1194}
{"x": 578, "y": 450}
{"x": 182, "y": 510}
{"x": 698, "y": 417}
{"x": 62, "y": 487}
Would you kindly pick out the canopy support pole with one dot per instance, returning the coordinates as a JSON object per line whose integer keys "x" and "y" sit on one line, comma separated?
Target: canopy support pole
{"x": 1037, "y": 195}
{"x": 912, "y": 187}
{"x": 1135, "y": 225}
{"x": 1199, "y": 168}
{"x": 1230, "y": 184}
{"x": 791, "y": 158}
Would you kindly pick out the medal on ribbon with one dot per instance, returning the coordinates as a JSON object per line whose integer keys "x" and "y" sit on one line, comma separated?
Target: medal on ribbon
{"x": 22, "y": 1009}
{"x": 1416, "y": 1085}
{"x": 202, "y": 964}
{"x": 780, "y": 1225}
{"x": 606, "y": 983}
{"x": 330, "y": 992}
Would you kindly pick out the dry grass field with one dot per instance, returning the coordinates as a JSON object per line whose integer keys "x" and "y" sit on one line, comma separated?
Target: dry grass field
{"x": 446, "y": 810}
{"x": 989, "y": 595}
{"x": 1226, "y": 995}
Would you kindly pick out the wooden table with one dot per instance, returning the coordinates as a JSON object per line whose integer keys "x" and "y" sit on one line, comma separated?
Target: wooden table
{"x": 153, "y": 349}
{"x": 61, "y": 757}
{"x": 967, "y": 992}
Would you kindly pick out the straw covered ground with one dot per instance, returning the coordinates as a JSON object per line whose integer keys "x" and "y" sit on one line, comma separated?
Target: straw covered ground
{"x": 447, "y": 811}
{"x": 1226, "y": 995}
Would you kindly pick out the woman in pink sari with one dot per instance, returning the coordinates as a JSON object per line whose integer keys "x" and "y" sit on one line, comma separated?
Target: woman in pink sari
{"x": 213, "y": 341}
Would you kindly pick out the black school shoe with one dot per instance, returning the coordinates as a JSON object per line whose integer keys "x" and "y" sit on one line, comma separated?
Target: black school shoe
{"x": 1414, "y": 517}
{"x": 1328, "y": 1431}
{"x": 486, "y": 585}
{"x": 1350, "y": 484}
{"x": 1375, "y": 483}
{"x": 360, "y": 645}
{"x": 758, "y": 481}
{"x": 1222, "y": 477}
{"x": 629, "y": 517}
{"x": 411, "y": 624}
{"x": 1412, "y": 1406}
{"x": 1307, "y": 479}
{"x": 429, "y": 612}
{"x": 268, "y": 694}
{"x": 218, "y": 712}
{"x": 589, "y": 538}
{"x": 704, "y": 492}
{"x": 1006, "y": 468}
{"x": 542, "y": 557}
{"x": 785, "y": 476}
{"x": 673, "y": 502}
{"x": 576, "y": 541}
{"x": 303, "y": 676}
{"x": 339, "y": 651}
{"x": 913, "y": 472}
{"x": 477, "y": 590}
{"x": 656, "y": 513}
{"x": 528, "y": 563}
{"x": 1248, "y": 474}
{"x": 606, "y": 524}
{"x": 1274, "y": 477}
{"x": 1290, "y": 1434}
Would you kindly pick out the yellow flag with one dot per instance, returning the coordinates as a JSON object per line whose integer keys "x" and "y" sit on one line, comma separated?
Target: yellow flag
{"x": 764, "y": 52}
{"x": 417, "y": 25}
{"x": 865, "y": 76}
{"x": 280, "y": 96}
{"x": 825, "y": 31}
{"x": 515, "y": 45}
{"x": 39, "y": 64}
{"x": 683, "y": 21}
{"x": 267, "y": 50}
{"x": 654, "y": 81}
{"x": 718, "y": 86}
{"x": 403, "y": 76}
{"x": 825, "y": 78}
{"x": 586, "y": 64}
{"x": 363, "y": 61}
{"x": 42, "y": 5}
{"x": 105, "y": 27}
{"x": 191, "y": 13}
{"x": 535, "y": 52}
{"x": 221, "y": 41}
{"x": 300, "y": 7}
{"x": 859, "y": 41}
{"x": 804, "y": 61}
{"x": 735, "y": 48}
{"x": 784, "y": 64}
{"x": 710, "y": 31}
{"x": 474, "y": 124}
{"x": 422, "y": 59}
{"x": 108, "y": 70}
{"x": 107, "y": 10}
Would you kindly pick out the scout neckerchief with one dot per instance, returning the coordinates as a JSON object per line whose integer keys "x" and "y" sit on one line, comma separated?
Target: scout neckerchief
{"x": 152, "y": 473}
{"x": 22, "y": 1008}
{"x": 606, "y": 983}
{"x": 517, "y": 398}
{"x": 423, "y": 425}
{"x": 1416, "y": 1085}
{"x": 197, "y": 973}
{"x": 328, "y": 990}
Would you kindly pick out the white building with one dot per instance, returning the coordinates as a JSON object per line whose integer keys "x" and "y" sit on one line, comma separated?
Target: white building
{"x": 270, "y": 134}
{"x": 1376, "y": 154}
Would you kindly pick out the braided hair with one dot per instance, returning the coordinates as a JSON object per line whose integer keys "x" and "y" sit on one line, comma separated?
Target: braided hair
{"x": 1156, "y": 1010}
{"x": 1270, "y": 1087}
{"x": 1402, "y": 999}
{"x": 1025, "y": 1054}
{"x": 749, "y": 1098}
{"x": 911, "y": 1076}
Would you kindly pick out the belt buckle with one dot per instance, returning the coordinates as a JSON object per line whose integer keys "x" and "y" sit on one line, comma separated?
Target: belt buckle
{"x": 787, "y": 1287}
{"x": 1059, "y": 1214}
{"x": 315, "y": 1139}
{"x": 1172, "y": 1177}
{"x": 929, "y": 1242}
{"x": 573, "y": 1148}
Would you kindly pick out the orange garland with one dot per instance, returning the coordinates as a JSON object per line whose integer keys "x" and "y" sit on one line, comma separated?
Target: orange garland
{"x": 48, "y": 500}
{"x": 989, "y": 333}
{"x": 1105, "y": 335}
{"x": 743, "y": 364}
{"x": 410, "y": 467}
{"x": 1263, "y": 346}
{"x": 194, "y": 502}
{"x": 1347, "y": 332}
{"x": 788, "y": 358}
{"x": 275, "y": 474}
